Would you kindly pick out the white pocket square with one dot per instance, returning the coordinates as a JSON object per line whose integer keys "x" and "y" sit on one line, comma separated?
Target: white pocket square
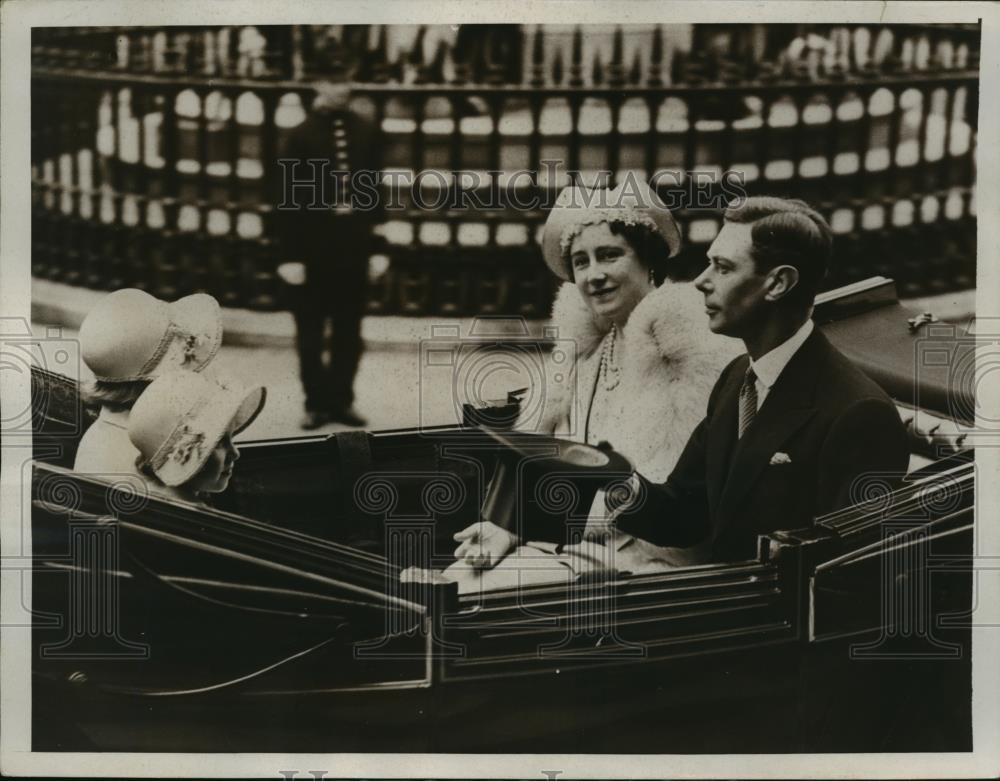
{"x": 780, "y": 458}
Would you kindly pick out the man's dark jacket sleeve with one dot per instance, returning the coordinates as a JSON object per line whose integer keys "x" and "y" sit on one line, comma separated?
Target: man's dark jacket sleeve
{"x": 862, "y": 449}
{"x": 676, "y": 512}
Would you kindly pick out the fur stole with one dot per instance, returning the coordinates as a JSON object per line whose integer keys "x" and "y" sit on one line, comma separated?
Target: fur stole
{"x": 671, "y": 363}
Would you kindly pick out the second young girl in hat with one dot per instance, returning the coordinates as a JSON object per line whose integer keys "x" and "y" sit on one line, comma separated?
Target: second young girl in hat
{"x": 183, "y": 427}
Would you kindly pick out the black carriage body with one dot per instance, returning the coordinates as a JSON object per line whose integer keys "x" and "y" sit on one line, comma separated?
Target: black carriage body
{"x": 276, "y": 620}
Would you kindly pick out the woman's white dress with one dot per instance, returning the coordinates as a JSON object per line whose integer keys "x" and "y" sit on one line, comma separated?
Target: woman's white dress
{"x": 105, "y": 449}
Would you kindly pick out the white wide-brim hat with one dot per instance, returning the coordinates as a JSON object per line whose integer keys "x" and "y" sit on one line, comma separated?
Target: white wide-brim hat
{"x": 181, "y": 417}
{"x": 631, "y": 202}
{"x": 131, "y": 335}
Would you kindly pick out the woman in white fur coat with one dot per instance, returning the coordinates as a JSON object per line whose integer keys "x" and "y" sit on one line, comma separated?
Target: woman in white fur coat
{"x": 666, "y": 360}
{"x": 645, "y": 358}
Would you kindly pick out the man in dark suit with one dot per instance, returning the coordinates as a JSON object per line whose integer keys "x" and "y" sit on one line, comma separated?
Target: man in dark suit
{"x": 326, "y": 208}
{"x": 792, "y": 426}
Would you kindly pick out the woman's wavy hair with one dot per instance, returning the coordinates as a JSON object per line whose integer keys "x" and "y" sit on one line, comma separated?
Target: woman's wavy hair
{"x": 116, "y": 396}
{"x": 649, "y": 246}
{"x": 787, "y": 232}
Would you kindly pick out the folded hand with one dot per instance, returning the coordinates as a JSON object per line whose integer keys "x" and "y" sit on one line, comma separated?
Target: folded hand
{"x": 484, "y": 544}
{"x": 622, "y": 497}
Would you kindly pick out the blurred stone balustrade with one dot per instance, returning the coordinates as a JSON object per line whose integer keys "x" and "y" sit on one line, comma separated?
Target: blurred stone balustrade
{"x": 149, "y": 145}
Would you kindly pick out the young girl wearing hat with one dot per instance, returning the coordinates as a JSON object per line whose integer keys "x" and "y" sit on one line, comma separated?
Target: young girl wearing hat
{"x": 182, "y": 428}
{"x": 127, "y": 340}
{"x": 645, "y": 359}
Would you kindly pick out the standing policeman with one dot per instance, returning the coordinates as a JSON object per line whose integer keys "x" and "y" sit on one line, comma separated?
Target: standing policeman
{"x": 326, "y": 209}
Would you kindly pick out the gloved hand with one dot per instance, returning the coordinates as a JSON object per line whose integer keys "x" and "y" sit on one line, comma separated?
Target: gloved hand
{"x": 623, "y": 496}
{"x": 484, "y": 544}
{"x": 292, "y": 272}
{"x": 421, "y": 575}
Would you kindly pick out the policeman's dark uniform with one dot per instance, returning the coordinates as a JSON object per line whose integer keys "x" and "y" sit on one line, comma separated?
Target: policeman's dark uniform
{"x": 329, "y": 230}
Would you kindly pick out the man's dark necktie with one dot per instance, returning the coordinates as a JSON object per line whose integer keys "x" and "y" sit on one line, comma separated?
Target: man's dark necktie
{"x": 748, "y": 400}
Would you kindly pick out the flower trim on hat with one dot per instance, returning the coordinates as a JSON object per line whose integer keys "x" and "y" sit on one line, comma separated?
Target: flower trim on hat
{"x": 598, "y": 216}
{"x": 190, "y": 348}
{"x": 190, "y": 343}
{"x": 184, "y": 443}
{"x": 190, "y": 443}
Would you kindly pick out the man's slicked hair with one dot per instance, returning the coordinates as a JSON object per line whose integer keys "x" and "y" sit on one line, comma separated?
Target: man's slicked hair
{"x": 787, "y": 232}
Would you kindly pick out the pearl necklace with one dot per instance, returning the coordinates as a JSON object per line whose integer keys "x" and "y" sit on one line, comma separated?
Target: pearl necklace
{"x": 610, "y": 373}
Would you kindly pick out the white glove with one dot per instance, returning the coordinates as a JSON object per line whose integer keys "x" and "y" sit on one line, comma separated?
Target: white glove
{"x": 484, "y": 544}
{"x": 293, "y": 272}
{"x": 621, "y": 499}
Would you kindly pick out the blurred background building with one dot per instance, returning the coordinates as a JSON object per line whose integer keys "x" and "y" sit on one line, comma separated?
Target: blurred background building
{"x": 149, "y": 146}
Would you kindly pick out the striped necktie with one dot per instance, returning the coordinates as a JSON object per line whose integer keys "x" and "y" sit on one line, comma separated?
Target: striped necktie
{"x": 748, "y": 400}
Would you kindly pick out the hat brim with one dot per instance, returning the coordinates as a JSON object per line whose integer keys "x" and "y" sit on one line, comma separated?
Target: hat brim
{"x": 560, "y": 218}
{"x": 230, "y": 410}
{"x": 249, "y": 409}
{"x": 571, "y": 207}
{"x": 565, "y": 455}
{"x": 198, "y": 315}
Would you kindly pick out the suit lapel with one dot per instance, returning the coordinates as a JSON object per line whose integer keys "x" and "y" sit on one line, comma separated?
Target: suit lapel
{"x": 722, "y": 433}
{"x": 787, "y": 407}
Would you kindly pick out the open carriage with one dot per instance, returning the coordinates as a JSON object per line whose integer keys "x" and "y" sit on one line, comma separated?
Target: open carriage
{"x": 276, "y": 619}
